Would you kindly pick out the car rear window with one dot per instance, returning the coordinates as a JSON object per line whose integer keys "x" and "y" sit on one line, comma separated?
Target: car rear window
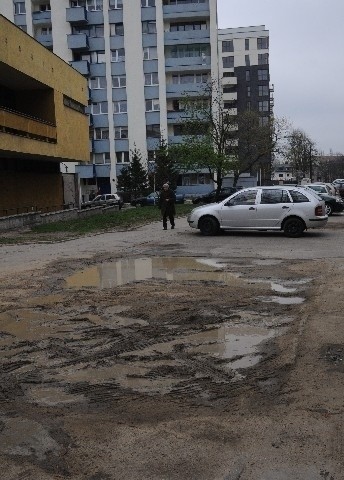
{"x": 298, "y": 197}
{"x": 274, "y": 196}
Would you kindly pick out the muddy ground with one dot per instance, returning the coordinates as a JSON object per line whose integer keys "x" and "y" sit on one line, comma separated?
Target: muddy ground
{"x": 145, "y": 357}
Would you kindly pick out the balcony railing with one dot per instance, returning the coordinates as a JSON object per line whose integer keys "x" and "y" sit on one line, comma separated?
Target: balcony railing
{"x": 17, "y": 123}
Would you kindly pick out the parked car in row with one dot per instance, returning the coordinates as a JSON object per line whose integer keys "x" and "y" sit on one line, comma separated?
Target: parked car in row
{"x": 105, "y": 200}
{"x": 288, "y": 209}
{"x": 340, "y": 189}
{"x": 153, "y": 199}
{"x": 210, "y": 197}
{"x": 333, "y": 203}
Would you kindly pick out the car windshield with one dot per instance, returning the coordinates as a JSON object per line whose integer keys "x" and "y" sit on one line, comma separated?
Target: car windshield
{"x": 318, "y": 188}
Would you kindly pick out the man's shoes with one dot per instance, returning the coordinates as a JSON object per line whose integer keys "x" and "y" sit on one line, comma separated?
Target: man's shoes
{"x": 172, "y": 227}
{"x": 165, "y": 228}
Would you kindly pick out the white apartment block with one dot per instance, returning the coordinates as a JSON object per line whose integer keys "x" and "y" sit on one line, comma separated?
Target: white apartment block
{"x": 140, "y": 57}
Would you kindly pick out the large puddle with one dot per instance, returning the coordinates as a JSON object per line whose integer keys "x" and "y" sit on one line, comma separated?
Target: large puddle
{"x": 124, "y": 271}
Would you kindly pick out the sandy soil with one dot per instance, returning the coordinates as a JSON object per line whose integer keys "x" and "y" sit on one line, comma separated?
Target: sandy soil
{"x": 143, "y": 357}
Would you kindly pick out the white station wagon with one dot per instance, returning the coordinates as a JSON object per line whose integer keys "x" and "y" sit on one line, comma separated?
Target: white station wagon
{"x": 286, "y": 208}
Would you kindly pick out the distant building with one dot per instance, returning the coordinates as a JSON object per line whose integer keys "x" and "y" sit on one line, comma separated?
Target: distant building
{"x": 245, "y": 77}
{"x": 42, "y": 122}
{"x": 283, "y": 173}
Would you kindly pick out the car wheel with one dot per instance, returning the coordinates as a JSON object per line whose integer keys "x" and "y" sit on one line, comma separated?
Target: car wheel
{"x": 293, "y": 227}
{"x": 209, "y": 226}
{"x": 328, "y": 209}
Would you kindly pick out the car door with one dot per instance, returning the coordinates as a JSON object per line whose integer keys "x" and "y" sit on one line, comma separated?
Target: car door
{"x": 272, "y": 207}
{"x": 240, "y": 210}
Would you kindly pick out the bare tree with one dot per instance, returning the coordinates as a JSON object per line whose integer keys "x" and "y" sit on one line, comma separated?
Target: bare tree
{"x": 224, "y": 141}
{"x": 301, "y": 154}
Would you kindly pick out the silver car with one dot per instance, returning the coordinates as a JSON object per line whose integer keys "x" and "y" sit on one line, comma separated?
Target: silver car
{"x": 289, "y": 209}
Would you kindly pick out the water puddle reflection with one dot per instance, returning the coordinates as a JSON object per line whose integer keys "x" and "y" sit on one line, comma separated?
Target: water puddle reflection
{"x": 130, "y": 270}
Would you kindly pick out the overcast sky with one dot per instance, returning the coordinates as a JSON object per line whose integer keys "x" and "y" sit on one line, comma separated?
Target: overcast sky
{"x": 306, "y": 61}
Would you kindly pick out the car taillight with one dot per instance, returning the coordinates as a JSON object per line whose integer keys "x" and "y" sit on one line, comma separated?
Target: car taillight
{"x": 319, "y": 212}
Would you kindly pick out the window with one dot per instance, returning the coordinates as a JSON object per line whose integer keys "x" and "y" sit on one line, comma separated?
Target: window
{"x": 152, "y": 105}
{"x": 46, "y": 31}
{"x": 116, "y": 29}
{"x": 96, "y": 31}
{"x": 263, "y": 106}
{"x": 298, "y": 197}
{"x": 147, "y": 3}
{"x": 97, "y": 83}
{"x": 190, "y": 78}
{"x": 119, "y": 81}
{"x": 191, "y": 50}
{"x": 248, "y": 105}
{"x": 45, "y": 7}
{"x": 244, "y": 198}
{"x": 248, "y": 91}
{"x": 274, "y": 196}
{"x": 19, "y": 8}
{"x": 229, "y": 88}
{"x": 150, "y": 53}
{"x": 228, "y": 74}
{"x": 122, "y": 157}
{"x": 78, "y": 3}
{"x": 118, "y": 55}
{"x": 120, "y": 106}
{"x": 263, "y": 90}
{"x": 228, "y": 62}
{"x": 149, "y": 27}
{"x": 99, "y": 108}
{"x": 115, "y": 4}
{"x": 263, "y": 75}
{"x": 121, "y": 132}
{"x": 98, "y": 57}
{"x": 94, "y": 4}
{"x": 187, "y": 26}
{"x": 153, "y": 131}
{"x": 263, "y": 58}
{"x": 247, "y": 60}
{"x": 151, "y": 78}
{"x": 101, "y": 133}
{"x": 101, "y": 157}
{"x": 248, "y": 75}
{"x": 247, "y": 43}
{"x": 228, "y": 46}
{"x": 262, "y": 43}
{"x": 263, "y": 121}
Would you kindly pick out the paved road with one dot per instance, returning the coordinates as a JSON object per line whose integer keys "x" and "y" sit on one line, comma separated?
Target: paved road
{"x": 326, "y": 243}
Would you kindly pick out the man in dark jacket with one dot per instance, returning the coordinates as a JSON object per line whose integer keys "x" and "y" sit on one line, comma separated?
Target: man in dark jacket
{"x": 167, "y": 200}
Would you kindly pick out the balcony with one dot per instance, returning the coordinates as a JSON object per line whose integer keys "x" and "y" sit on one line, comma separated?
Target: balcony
{"x": 187, "y": 63}
{"x": 78, "y": 42}
{"x": 41, "y": 18}
{"x": 77, "y": 15}
{"x": 16, "y": 123}
{"x": 186, "y": 11}
{"x": 190, "y": 36}
{"x": 179, "y": 90}
{"x": 82, "y": 66}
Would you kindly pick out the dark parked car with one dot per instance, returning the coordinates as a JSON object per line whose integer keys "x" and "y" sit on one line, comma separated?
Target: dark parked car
{"x": 153, "y": 199}
{"x": 210, "y": 197}
{"x": 333, "y": 204}
{"x": 105, "y": 200}
{"x": 340, "y": 189}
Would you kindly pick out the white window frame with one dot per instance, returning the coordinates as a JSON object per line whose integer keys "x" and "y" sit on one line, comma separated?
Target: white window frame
{"x": 147, "y": 3}
{"x": 152, "y": 105}
{"x": 97, "y": 83}
{"x": 103, "y": 108}
{"x": 94, "y": 5}
{"x": 105, "y": 158}
{"x": 152, "y": 77}
{"x": 114, "y": 27}
{"x": 124, "y": 157}
{"x": 115, "y": 4}
{"x": 148, "y": 26}
{"x": 120, "y": 106}
{"x": 121, "y": 79}
{"x": 150, "y": 53}
{"x": 101, "y": 133}
{"x": 19, "y": 8}
{"x": 121, "y": 133}
{"x": 118, "y": 55}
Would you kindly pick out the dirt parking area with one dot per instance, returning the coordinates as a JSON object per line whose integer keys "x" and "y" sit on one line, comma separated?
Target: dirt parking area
{"x": 150, "y": 355}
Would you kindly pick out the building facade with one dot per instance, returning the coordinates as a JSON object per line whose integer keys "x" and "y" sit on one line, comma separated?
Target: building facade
{"x": 42, "y": 122}
{"x": 245, "y": 76}
{"x": 140, "y": 58}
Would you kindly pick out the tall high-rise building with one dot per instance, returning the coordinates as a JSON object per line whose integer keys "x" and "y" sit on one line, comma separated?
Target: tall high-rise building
{"x": 140, "y": 58}
{"x": 245, "y": 76}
